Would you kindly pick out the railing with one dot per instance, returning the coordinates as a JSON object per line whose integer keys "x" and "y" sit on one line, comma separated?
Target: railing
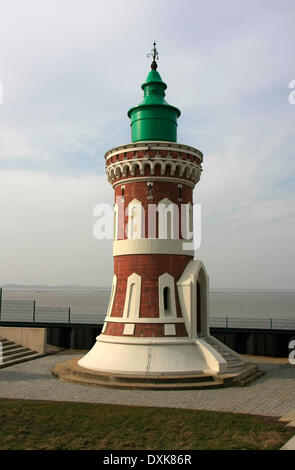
{"x": 26, "y": 311}
{"x": 253, "y": 323}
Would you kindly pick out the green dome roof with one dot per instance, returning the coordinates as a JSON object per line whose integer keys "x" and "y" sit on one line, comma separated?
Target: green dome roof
{"x": 154, "y": 118}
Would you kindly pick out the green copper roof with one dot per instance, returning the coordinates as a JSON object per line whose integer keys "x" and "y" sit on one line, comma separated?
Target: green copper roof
{"x": 154, "y": 118}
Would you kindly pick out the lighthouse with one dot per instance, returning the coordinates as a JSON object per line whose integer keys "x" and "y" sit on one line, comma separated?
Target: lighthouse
{"x": 156, "y": 328}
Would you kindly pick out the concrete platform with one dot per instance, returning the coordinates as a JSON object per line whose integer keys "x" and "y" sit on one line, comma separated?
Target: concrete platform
{"x": 71, "y": 371}
{"x": 272, "y": 395}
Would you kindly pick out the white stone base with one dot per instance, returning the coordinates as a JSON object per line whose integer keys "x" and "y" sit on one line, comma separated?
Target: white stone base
{"x": 153, "y": 356}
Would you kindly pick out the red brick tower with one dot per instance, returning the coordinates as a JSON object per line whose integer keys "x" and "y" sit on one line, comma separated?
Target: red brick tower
{"x": 153, "y": 184}
{"x": 157, "y": 319}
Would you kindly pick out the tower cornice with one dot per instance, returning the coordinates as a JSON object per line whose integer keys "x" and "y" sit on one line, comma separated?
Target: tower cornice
{"x": 153, "y": 145}
{"x": 160, "y": 160}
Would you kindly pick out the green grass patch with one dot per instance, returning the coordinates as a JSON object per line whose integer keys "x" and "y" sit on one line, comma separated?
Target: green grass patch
{"x": 58, "y": 425}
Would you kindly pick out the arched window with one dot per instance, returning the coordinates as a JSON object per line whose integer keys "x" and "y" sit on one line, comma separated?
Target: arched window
{"x": 167, "y": 301}
{"x": 180, "y": 192}
{"x": 167, "y": 305}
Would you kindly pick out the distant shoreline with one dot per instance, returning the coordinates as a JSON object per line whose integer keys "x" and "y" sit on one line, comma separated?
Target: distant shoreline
{"x": 16, "y": 287}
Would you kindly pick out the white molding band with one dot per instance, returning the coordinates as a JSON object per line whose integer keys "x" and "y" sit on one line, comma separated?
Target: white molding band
{"x": 145, "y": 339}
{"x": 168, "y": 179}
{"x": 150, "y": 246}
{"x": 153, "y": 145}
{"x": 144, "y": 320}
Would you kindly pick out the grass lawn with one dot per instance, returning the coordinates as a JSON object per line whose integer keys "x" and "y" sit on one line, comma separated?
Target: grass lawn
{"x": 56, "y": 425}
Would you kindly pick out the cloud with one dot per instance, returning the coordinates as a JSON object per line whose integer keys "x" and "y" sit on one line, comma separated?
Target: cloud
{"x": 70, "y": 71}
{"x": 46, "y": 229}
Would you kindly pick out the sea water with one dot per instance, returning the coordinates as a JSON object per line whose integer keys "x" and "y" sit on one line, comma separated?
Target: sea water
{"x": 223, "y": 303}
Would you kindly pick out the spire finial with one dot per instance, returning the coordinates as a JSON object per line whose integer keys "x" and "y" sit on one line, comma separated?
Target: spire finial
{"x": 155, "y": 55}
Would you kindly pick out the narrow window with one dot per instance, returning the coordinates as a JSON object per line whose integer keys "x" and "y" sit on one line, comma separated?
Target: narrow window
{"x": 150, "y": 190}
{"x": 130, "y": 300}
{"x": 123, "y": 192}
{"x": 167, "y": 301}
{"x": 180, "y": 192}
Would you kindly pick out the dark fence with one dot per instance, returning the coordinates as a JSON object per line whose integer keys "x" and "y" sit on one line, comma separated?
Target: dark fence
{"x": 26, "y": 311}
{"x": 253, "y": 323}
{"x": 68, "y": 329}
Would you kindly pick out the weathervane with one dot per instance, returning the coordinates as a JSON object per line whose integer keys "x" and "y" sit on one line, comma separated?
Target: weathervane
{"x": 155, "y": 55}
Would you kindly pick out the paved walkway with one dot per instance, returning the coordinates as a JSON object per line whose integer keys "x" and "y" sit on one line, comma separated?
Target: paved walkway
{"x": 272, "y": 394}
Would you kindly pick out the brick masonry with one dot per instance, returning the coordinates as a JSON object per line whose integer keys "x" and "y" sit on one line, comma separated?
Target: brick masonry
{"x": 149, "y": 266}
{"x": 144, "y": 330}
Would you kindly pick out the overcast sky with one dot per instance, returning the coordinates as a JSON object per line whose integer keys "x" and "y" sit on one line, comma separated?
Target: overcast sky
{"x": 71, "y": 69}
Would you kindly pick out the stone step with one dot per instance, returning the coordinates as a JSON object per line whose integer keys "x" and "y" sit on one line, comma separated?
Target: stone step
{"x": 18, "y": 355}
{"x": 235, "y": 364}
{"x": 70, "y": 371}
{"x": 141, "y": 385}
{"x": 19, "y": 360}
{"x": 233, "y": 361}
{"x": 249, "y": 378}
{"x": 8, "y": 347}
{"x": 152, "y": 379}
{"x": 6, "y": 342}
{"x": 14, "y": 350}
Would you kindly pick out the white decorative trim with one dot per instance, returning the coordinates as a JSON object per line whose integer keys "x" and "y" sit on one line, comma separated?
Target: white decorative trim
{"x": 145, "y": 320}
{"x": 152, "y": 145}
{"x": 168, "y": 213}
{"x": 154, "y": 178}
{"x": 166, "y": 280}
{"x": 124, "y": 148}
{"x": 149, "y": 246}
{"x": 187, "y": 292}
{"x": 214, "y": 360}
{"x": 145, "y": 340}
{"x": 104, "y": 327}
{"x": 169, "y": 330}
{"x": 116, "y": 216}
{"x": 113, "y": 293}
{"x": 122, "y": 168}
{"x": 186, "y": 220}
{"x": 129, "y": 329}
{"x": 135, "y": 228}
{"x": 132, "y": 299}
